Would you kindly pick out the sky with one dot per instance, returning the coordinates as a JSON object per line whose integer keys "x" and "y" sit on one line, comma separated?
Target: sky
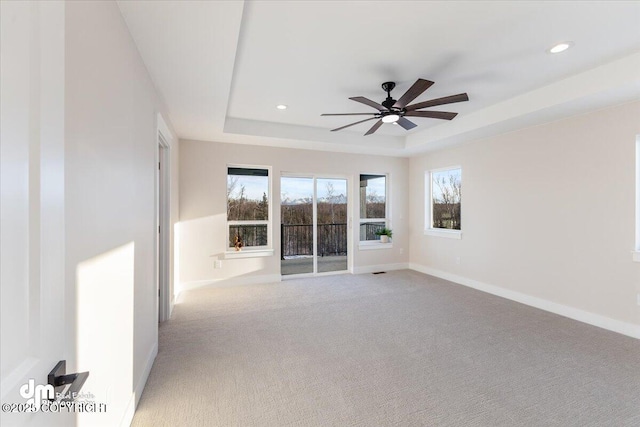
{"x": 437, "y": 193}
{"x": 301, "y": 188}
{"x": 254, "y": 186}
{"x": 298, "y": 188}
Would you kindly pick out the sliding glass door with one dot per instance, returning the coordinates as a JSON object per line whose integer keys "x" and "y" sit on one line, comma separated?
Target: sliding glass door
{"x": 331, "y": 208}
{"x": 296, "y": 225}
{"x": 314, "y": 225}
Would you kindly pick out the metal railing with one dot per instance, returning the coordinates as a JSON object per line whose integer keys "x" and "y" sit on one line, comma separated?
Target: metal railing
{"x": 297, "y": 239}
{"x": 252, "y": 235}
{"x": 368, "y": 230}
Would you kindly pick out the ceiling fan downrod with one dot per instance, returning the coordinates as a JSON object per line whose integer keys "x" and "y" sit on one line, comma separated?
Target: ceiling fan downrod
{"x": 388, "y": 87}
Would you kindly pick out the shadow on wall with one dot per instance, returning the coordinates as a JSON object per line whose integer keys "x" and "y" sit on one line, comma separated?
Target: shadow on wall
{"x": 200, "y": 243}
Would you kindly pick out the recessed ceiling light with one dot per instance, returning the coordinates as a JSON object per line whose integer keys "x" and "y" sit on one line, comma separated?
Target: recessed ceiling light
{"x": 560, "y": 47}
{"x": 390, "y": 118}
{"x": 281, "y": 107}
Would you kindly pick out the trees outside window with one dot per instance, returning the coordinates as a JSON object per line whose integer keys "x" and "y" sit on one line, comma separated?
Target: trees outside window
{"x": 446, "y": 198}
{"x": 373, "y": 206}
{"x": 248, "y": 203}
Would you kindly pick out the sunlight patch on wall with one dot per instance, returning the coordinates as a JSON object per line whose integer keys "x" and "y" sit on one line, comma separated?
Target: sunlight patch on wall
{"x": 104, "y": 332}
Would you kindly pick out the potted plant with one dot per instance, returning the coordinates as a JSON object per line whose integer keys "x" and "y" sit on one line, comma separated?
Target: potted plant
{"x": 384, "y": 234}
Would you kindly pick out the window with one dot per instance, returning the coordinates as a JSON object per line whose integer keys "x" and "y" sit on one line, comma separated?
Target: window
{"x": 248, "y": 207}
{"x": 373, "y": 206}
{"x": 443, "y": 213}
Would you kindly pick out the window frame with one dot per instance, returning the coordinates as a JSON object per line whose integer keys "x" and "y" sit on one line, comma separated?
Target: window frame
{"x": 375, "y": 244}
{"x": 429, "y": 230}
{"x": 251, "y": 251}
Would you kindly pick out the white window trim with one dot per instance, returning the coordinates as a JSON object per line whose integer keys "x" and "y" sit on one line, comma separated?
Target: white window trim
{"x": 443, "y": 232}
{"x": 371, "y": 245}
{"x": 375, "y": 244}
{"x": 252, "y": 251}
{"x": 636, "y": 252}
{"x": 249, "y": 253}
{"x": 428, "y": 209}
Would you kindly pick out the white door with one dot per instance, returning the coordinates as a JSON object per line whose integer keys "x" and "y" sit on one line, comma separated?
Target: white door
{"x": 32, "y": 257}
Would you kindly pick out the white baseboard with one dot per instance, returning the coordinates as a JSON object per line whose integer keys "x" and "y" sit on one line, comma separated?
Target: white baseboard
{"x": 380, "y": 267}
{"x": 142, "y": 381}
{"x": 232, "y": 281}
{"x": 598, "y": 320}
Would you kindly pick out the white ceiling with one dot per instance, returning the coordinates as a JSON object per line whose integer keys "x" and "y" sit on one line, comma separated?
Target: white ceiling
{"x": 222, "y": 67}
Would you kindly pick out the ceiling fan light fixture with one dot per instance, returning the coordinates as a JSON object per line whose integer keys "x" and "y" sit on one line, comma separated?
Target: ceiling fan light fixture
{"x": 560, "y": 47}
{"x": 390, "y": 118}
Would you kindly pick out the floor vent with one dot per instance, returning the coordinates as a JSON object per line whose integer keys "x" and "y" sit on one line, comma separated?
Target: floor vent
{"x": 380, "y": 272}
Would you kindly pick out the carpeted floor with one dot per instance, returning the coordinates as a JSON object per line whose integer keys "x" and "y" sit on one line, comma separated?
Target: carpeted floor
{"x": 395, "y": 349}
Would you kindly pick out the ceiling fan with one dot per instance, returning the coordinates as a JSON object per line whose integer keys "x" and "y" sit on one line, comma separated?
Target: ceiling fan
{"x": 392, "y": 111}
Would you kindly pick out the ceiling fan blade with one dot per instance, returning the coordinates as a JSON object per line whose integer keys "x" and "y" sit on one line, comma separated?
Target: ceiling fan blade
{"x": 414, "y": 91}
{"x": 440, "y": 101}
{"x": 368, "y": 102}
{"x": 352, "y": 124}
{"x": 432, "y": 114}
{"x": 374, "y": 128}
{"x": 350, "y": 114}
{"x": 406, "y": 124}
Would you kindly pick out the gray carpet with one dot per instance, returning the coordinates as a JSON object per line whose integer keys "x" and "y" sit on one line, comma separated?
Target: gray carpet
{"x": 396, "y": 349}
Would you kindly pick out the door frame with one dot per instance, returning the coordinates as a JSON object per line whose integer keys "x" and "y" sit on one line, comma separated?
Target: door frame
{"x": 315, "y": 177}
{"x": 163, "y": 220}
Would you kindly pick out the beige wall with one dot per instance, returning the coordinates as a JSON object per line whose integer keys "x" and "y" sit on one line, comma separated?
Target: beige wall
{"x": 547, "y": 212}
{"x": 203, "y": 205}
{"x": 111, "y": 145}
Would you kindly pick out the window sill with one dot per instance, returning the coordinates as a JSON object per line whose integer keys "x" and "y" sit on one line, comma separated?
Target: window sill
{"x": 450, "y": 234}
{"x": 253, "y": 253}
{"x": 636, "y": 256}
{"x": 370, "y": 246}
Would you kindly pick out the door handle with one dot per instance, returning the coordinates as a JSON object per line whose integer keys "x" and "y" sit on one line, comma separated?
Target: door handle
{"x": 58, "y": 378}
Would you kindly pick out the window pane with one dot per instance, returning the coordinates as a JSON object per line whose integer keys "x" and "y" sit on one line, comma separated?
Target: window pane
{"x": 373, "y": 205}
{"x": 296, "y": 225}
{"x": 368, "y": 230}
{"x": 373, "y": 196}
{"x": 249, "y": 235}
{"x": 332, "y": 201}
{"x": 247, "y": 194}
{"x": 332, "y": 224}
{"x": 446, "y": 192}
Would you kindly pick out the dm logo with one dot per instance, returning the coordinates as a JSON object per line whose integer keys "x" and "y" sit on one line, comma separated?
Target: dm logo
{"x": 35, "y": 394}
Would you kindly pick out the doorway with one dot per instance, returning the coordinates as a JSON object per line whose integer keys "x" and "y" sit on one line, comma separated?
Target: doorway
{"x": 162, "y": 209}
{"x": 314, "y": 237}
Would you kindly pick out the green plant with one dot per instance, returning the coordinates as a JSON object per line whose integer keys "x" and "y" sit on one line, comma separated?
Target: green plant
{"x": 384, "y": 232}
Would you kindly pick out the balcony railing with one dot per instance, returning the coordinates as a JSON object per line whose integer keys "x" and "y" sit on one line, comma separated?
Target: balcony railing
{"x": 368, "y": 230}
{"x": 297, "y": 239}
{"x": 251, "y": 234}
